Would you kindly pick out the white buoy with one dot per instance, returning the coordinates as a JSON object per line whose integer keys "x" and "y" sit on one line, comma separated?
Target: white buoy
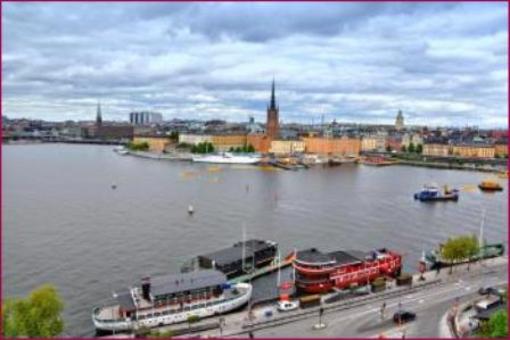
{"x": 190, "y": 209}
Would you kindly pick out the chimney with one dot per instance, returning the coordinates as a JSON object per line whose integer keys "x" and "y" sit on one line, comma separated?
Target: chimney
{"x": 146, "y": 288}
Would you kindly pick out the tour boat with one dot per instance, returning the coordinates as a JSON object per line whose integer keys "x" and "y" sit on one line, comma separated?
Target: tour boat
{"x": 171, "y": 299}
{"x": 431, "y": 192}
{"x": 228, "y": 158}
{"x": 318, "y": 272}
{"x": 490, "y": 185}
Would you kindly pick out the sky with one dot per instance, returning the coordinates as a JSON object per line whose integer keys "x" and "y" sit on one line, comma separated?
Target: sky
{"x": 440, "y": 63}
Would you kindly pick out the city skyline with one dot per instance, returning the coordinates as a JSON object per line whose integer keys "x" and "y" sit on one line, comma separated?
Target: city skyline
{"x": 441, "y": 64}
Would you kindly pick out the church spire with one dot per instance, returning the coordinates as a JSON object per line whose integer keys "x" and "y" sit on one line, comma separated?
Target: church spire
{"x": 273, "y": 99}
{"x": 99, "y": 118}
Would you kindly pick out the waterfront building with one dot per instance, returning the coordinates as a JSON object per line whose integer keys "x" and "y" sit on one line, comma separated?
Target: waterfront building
{"x": 101, "y": 130}
{"x": 471, "y": 150}
{"x": 501, "y": 148}
{"x": 333, "y": 146}
{"x": 145, "y": 118}
{"x": 394, "y": 142}
{"x": 373, "y": 143}
{"x": 260, "y": 142}
{"x": 194, "y": 139}
{"x": 287, "y": 147}
{"x": 223, "y": 142}
{"x": 409, "y": 138}
{"x": 436, "y": 149}
{"x": 399, "y": 121}
{"x": 272, "y": 125}
{"x": 156, "y": 143}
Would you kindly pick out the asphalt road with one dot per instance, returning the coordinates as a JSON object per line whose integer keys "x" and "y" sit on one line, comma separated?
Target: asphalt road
{"x": 365, "y": 321}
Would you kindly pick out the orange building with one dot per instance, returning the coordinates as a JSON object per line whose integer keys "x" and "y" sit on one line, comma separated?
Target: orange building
{"x": 156, "y": 144}
{"x": 473, "y": 151}
{"x": 436, "y": 149}
{"x": 225, "y": 142}
{"x": 333, "y": 146}
{"x": 501, "y": 149}
{"x": 261, "y": 143}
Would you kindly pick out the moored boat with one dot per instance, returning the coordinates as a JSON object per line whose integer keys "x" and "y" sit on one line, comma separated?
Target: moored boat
{"x": 318, "y": 272}
{"x": 228, "y": 158}
{"x": 432, "y": 193}
{"x": 490, "y": 185}
{"x": 171, "y": 299}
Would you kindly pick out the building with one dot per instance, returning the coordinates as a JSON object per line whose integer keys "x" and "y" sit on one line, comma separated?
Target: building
{"x": 287, "y": 147}
{"x": 473, "y": 150}
{"x": 272, "y": 122}
{"x": 156, "y": 143}
{"x": 333, "y": 146}
{"x": 436, "y": 149}
{"x": 145, "y": 118}
{"x": 227, "y": 141}
{"x": 373, "y": 143}
{"x": 394, "y": 143}
{"x": 399, "y": 122}
{"x": 194, "y": 139}
{"x": 501, "y": 149}
{"x": 105, "y": 131}
{"x": 261, "y": 143}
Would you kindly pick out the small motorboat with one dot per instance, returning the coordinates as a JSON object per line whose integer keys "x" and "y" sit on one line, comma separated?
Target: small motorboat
{"x": 190, "y": 210}
{"x": 431, "y": 193}
{"x": 114, "y": 186}
{"x": 490, "y": 185}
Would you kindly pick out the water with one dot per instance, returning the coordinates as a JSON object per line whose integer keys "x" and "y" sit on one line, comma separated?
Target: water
{"x": 64, "y": 224}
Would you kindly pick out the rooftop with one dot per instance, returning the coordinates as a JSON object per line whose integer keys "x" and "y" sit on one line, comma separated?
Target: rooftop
{"x": 337, "y": 257}
{"x": 235, "y": 253}
{"x": 174, "y": 283}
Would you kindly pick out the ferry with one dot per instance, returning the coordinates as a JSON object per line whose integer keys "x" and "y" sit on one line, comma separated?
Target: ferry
{"x": 318, "y": 272}
{"x": 239, "y": 259}
{"x": 171, "y": 299}
{"x": 490, "y": 185}
{"x": 431, "y": 193}
{"x": 228, "y": 158}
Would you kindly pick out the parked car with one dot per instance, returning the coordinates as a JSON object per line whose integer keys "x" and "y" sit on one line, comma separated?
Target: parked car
{"x": 403, "y": 317}
{"x": 285, "y": 306}
{"x": 486, "y": 290}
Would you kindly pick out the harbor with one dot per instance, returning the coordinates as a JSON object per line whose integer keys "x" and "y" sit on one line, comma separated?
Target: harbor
{"x": 144, "y": 227}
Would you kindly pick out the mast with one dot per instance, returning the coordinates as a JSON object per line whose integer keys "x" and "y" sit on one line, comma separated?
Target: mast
{"x": 279, "y": 278}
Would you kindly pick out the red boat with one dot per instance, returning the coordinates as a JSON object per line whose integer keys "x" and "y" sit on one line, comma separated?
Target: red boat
{"x": 318, "y": 272}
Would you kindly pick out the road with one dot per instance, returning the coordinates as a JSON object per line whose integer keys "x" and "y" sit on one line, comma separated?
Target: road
{"x": 430, "y": 305}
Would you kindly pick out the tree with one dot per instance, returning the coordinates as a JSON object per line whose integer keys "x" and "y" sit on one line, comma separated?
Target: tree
{"x": 388, "y": 148}
{"x": 251, "y": 148}
{"x": 403, "y": 148}
{"x": 496, "y": 327}
{"x": 452, "y": 251}
{"x": 411, "y": 148}
{"x": 419, "y": 148}
{"x": 471, "y": 247}
{"x": 38, "y": 315}
{"x": 192, "y": 319}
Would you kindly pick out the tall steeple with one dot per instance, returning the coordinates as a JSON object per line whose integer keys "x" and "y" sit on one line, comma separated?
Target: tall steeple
{"x": 272, "y": 122}
{"x": 99, "y": 118}
{"x": 273, "y": 99}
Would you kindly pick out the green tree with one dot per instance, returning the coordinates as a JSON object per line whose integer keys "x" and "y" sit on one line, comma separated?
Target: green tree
{"x": 231, "y": 149}
{"x": 251, "y": 148}
{"x": 411, "y": 148}
{"x": 403, "y": 148}
{"x": 496, "y": 327}
{"x": 38, "y": 315}
{"x": 238, "y": 149}
{"x": 471, "y": 248}
{"x": 174, "y": 135}
{"x": 419, "y": 148}
{"x": 388, "y": 148}
{"x": 452, "y": 250}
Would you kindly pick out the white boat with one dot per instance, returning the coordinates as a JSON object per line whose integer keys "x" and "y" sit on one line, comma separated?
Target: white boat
{"x": 172, "y": 299}
{"x": 120, "y": 150}
{"x": 228, "y": 158}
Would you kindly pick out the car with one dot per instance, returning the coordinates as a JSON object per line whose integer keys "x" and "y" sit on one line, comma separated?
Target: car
{"x": 491, "y": 291}
{"x": 403, "y": 317}
{"x": 285, "y": 306}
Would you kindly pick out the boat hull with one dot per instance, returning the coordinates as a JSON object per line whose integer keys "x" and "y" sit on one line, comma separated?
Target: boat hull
{"x": 484, "y": 188}
{"x": 172, "y": 318}
{"x": 222, "y": 160}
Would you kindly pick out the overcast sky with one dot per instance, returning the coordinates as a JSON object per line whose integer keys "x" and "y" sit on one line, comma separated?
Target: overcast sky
{"x": 441, "y": 63}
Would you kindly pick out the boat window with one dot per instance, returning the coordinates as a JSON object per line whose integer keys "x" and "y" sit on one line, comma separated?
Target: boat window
{"x": 157, "y": 314}
{"x": 187, "y": 308}
{"x": 141, "y": 317}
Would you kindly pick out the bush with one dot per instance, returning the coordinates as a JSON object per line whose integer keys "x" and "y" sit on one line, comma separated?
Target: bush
{"x": 143, "y": 146}
{"x": 35, "y": 316}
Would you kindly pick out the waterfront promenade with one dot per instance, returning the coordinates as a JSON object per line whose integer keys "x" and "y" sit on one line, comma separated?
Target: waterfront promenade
{"x": 430, "y": 300}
